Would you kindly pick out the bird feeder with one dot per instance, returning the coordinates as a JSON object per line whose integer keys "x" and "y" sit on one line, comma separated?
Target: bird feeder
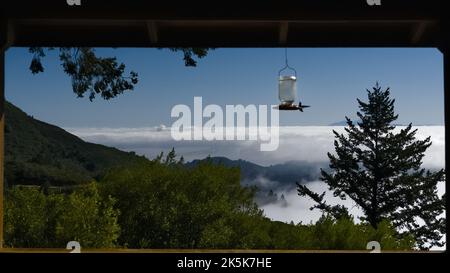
{"x": 287, "y": 89}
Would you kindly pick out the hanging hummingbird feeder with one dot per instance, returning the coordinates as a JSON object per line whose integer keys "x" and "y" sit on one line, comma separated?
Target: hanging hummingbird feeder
{"x": 287, "y": 89}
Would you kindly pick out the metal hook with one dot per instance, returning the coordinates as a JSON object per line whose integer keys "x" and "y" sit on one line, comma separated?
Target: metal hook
{"x": 286, "y": 64}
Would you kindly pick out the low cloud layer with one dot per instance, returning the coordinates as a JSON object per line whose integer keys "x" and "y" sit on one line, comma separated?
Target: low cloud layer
{"x": 297, "y": 209}
{"x": 298, "y": 143}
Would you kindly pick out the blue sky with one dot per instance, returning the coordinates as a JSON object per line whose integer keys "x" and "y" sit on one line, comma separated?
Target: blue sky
{"x": 330, "y": 80}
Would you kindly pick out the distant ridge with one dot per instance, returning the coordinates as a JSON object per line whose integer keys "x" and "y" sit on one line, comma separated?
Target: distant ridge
{"x": 274, "y": 177}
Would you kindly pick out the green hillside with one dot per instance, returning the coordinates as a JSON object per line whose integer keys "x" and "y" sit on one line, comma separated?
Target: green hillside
{"x": 37, "y": 153}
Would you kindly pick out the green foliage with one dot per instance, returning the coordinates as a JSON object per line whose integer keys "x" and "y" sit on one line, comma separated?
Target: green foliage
{"x": 38, "y": 153}
{"x": 343, "y": 233}
{"x": 97, "y": 75}
{"x": 102, "y": 76}
{"x": 381, "y": 172}
{"x": 155, "y": 205}
{"x": 88, "y": 219}
{"x": 25, "y": 218}
{"x": 190, "y": 52}
{"x": 168, "y": 205}
{"x": 33, "y": 219}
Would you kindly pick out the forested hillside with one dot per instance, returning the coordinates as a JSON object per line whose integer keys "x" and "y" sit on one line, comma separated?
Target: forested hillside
{"x": 38, "y": 153}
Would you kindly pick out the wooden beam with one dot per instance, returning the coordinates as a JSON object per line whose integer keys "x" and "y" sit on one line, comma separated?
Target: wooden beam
{"x": 265, "y": 10}
{"x": 152, "y": 30}
{"x": 202, "y": 251}
{"x": 284, "y": 31}
{"x": 418, "y": 32}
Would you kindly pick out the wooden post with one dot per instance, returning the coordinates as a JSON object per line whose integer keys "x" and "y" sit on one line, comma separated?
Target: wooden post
{"x": 446, "y": 53}
{"x": 445, "y": 49}
{"x": 5, "y": 39}
{"x": 2, "y": 142}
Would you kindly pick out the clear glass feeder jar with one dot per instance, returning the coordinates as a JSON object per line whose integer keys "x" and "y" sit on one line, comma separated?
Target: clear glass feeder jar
{"x": 287, "y": 89}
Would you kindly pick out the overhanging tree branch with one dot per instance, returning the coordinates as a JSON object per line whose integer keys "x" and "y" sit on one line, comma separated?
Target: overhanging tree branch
{"x": 103, "y": 76}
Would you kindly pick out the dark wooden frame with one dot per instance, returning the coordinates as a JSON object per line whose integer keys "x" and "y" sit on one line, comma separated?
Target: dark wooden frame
{"x": 301, "y": 23}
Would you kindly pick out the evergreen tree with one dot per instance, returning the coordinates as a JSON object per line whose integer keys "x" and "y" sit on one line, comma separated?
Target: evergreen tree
{"x": 380, "y": 170}
{"x": 170, "y": 158}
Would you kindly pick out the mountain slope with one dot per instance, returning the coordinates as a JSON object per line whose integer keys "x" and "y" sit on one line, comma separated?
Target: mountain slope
{"x": 38, "y": 153}
{"x": 274, "y": 177}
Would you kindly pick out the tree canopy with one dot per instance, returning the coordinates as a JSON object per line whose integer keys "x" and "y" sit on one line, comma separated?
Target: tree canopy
{"x": 104, "y": 76}
{"x": 165, "y": 204}
{"x": 380, "y": 170}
